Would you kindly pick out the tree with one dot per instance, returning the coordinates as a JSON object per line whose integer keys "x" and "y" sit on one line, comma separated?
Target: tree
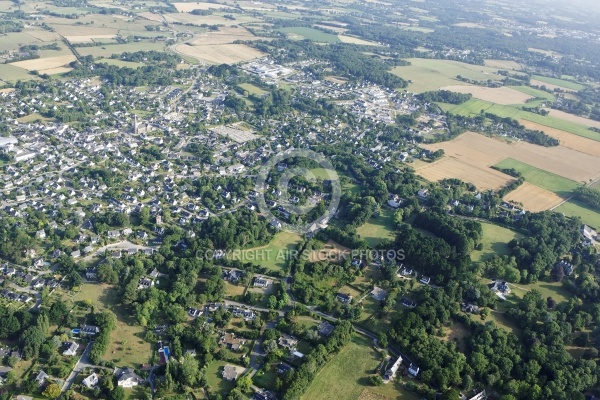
{"x": 451, "y": 394}
{"x": 117, "y": 393}
{"x": 189, "y": 370}
{"x": 52, "y": 391}
{"x": 244, "y": 384}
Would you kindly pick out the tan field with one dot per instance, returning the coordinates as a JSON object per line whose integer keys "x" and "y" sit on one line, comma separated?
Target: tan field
{"x": 501, "y": 95}
{"x": 534, "y": 198}
{"x": 189, "y": 7}
{"x": 575, "y": 142}
{"x": 574, "y": 118}
{"x": 482, "y": 152}
{"x": 468, "y": 169}
{"x": 224, "y": 35}
{"x": 207, "y": 19}
{"x": 43, "y": 64}
{"x": 355, "y": 40}
{"x": 550, "y": 86}
{"x": 151, "y": 16}
{"x": 87, "y": 38}
{"x": 503, "y": 64}
{"x": 44, "y": 36}
{"x": 220, "y": 53}
{"x": 58, "y": 70}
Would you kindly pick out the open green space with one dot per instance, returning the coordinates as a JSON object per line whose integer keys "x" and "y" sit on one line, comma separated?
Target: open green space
{"x": 495, "y": 242}
{"x": 310, "y": 33}
{"x": 559, "y": 82}
{"x": 215, "y": 380}
{"x": 576, "y": 208}
{"x": 322, "y": 173}
{"x": 538, "y": 177}
{"x": 10, "y": 73}
{"x": 556, "y": 290}
{"x": 429, "y": 74}
{"x": 252, "y": 89}
{"x": 346, "y": 375}
{"x": 274, "y": 255}
{"x": 121, "y": 63}
{"x": 534, "y": 92}
{"x": 127, "y": 345}
{"x": 378, "y": 229}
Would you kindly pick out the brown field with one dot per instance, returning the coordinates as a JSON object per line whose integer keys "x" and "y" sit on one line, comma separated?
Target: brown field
{"x": 355, "y": 40}
{"x": 501, "y": 95}
{"x": 574, "y": 118}
{"x": 480, "y": 151}
{"x": 534, "y": 198}
{"x": 43, "y": 64}
{"x": 207, "y": 19}
{"x": 572, "y": 141}
{"x": 470, "y": 169}
{"x": 220, "y": 53}
{"x": 87, "y": 38}
{"x": 503, "y": 64}
{"x": 44, "y": 36}
{"x": 189, "y": 7}
{"x": 151, "y": 16}
{"x": 550, "y": 86}
{"x": 57, "y": 70}
{"x": 224, "y": 35}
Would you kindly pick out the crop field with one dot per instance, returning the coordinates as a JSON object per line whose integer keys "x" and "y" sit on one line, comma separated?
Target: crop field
{"x": 220, "y": 53}
{"x": 224, "y": 35}
{"x": 574, "y": 118}
{"x": 310, "y": 33}
{"x": 208, "y": 19}
{"x": 10, "y": 73}
{"x": 472, "y": 168}
{"x": 189, "y": 7}
{"x": 151, "y": 16}
{"x": 559, "y": 82}
{"x": 43, "y": 64}
{"x": 480, "y": 152}
{"x": 534, "y": 92}
{"x": 355, "y": 40}
{"x": 495, "y": 241}
{"x": 503, "y": 64}
{"x": 502, "y": 95}
{"x": 543, "y": 179}
{"x": 88, "y": 38}
{"x": 346, "y": 375}
{"x": 567, "y": 139}
{"x": 429, "y": 74}
{"x": 575, "y": 208}
{"x": 534, "y": 198}
{"x": 110, "y": 49}
{"x": 42, "y": 35}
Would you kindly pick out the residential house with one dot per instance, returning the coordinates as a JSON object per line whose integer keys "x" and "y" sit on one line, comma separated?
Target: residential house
{"x": 89, "y": 330}
{"x": 127, "y": 378}
{"x": 282, "y": 368}
{"x": 90, "y": 381}
{"x": 288, "y": 342}
{"x": 395, "y": 201}
{"x": 70, "y": 348}
{"x": 378, "y": 294}
{"x": 325, "y": 328}
{"x": 229, "y": 340}
{"x": 500, "y": 287}
{"x": 194, "y": 312}
{"x": 423, "y": 194}
{"x": 344, "y": 298}
{"x": 230, "y": 373}
{"x": 41, "y": 378}
{"x": 425, "y": 280}
{"x": 469, "y": 308}
{"x": 390, "y": 373}
{"x": 413, "y": 369}
{"x": 261, "y": 282}
{"x": 145, "y": 283}
{"x": 588, "y": 233}
{"x": 408, "y": 303}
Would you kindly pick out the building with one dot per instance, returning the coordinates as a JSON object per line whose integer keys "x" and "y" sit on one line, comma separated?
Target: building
{"x": 90, "y": 381}
{"x": 288, "y": 342}
{"x": 378, "y": 293}
{"x": 588, "y": 233}
{"x": 413, "y": 369}
{"x": 425, "y": 280}
{"x": 41, "y": 378}
{"x": 70, "y": 348}
{"x": 261, "y": 282}
{"x": 325, "y": 328}
{"x": 231, "y": 341}
{"x": 127, "y": 378}
{"x": 344, "y": 298}
{"x": 500, "y": 287}
{"x": 390, "y": 373}
{"x": 230, "y": 373}
{"x": 90, "y": 330}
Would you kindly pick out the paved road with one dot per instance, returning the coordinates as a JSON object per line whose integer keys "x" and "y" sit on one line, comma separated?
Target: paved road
{"x": 84, "y": 362}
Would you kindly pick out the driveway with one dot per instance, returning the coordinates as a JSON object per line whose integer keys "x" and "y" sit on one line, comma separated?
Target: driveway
{"x": 83, "y": 363}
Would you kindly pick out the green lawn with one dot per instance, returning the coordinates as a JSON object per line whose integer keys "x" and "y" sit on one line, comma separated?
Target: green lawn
{"x": 555, "y": 290}
{"x": 575, "y": 208}
{"x": 274, "y": 255}
{"x": 251, "y": 89}
{"x": 10, "y": 73}
{"x": 311, "y": 33}
{"x": 559, "y": 82}
{"x": 215, "y": 378}
{"x": 322, "y": 173}
{"x": 376, "y": 230}
{"x": 121, "y": 63}
{"x": 495, "y": 241}
{"x": 538, "y": 177}
{"x": 346, "y": 375}
{"x": 429, "y": 74}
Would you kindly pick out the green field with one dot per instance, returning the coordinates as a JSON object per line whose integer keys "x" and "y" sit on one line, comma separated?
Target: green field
{"x": 538, "y": 177}
{"x": 110, "y": 49}
{"x": 495, "y": 241}
{"x": 215, "y": 379}
{"x": 121, "y": 63}
{"x": 346, "y": 375}
{"x": 428, "y": 74}
{"x": 534, "y": 92}
{"x": 310, "y": 33}
{"x": 559, "y": 82}
{"x": 376, "y": 230}
{"x": 274, "y": 255}
{"x": 575, "y": 208}
{"x": 251, "y": 89}
{"x": 10, "y": 73}
{"x": 473, "y": 108}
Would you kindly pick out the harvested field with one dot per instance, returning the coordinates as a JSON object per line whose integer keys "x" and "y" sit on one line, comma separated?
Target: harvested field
{"x": 110, "y": 49}
{"x": 87, "y": 38}
{"x": 574, "y": 118}
{"x": 220, "y": 53}
{"x": 355, "y": 40}
{"x": 550, "y": 86}
{"x": 207, "y": 19}
{"x": 575, "y": 142}
{"x": 502, "y": 95}
{"x": 189, "y": 7}
{"x": 151, "y": 16}
{"x": 224, "y": 35}
{"x": 480, "y": 151}
{"x": 502, "y": 64}
{"x": 44, "y": 36}
{"x": 534, "y": 198}
{"x": 42, "y": 64}
{"x": 472, "y": 169}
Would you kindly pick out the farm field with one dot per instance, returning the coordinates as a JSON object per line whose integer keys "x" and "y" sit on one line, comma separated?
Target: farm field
{"x": 376, "y": 230}
{"x": 534, "y": 93}
{"x": 534, "y": 198}
{"x": 472, "y": 168}
{"x": 224, "y": 35}
{"x": 574, "y": 118}
{"x": 355, "y": 40}
{"x": 220, "y": 53}
{"x": 214, "y": 19}
{"x": 559, "y": 82}
{"x": 127, "y": 345}
{"x": 345, "y": 376}
{"x": 110, "y": 49}
{"x": 503, "y": 64}
{"x": 273, "y": 255}
{"x": 545, "y": 180}
{"x": 429, "y": 74}
{"x": 42, "y": 64}
{"x": 10, "y": 73}
{"x": 575, "y": 208}
{"x": 502, "y": 95}
{"x": 189, "y": 7}
{"x": 495, "y": 241}
{"x": 310, "y": 33}
{"x": 481, "y": 151}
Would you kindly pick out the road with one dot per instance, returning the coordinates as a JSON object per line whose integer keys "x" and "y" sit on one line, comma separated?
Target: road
{"x": 82, "y": 363}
